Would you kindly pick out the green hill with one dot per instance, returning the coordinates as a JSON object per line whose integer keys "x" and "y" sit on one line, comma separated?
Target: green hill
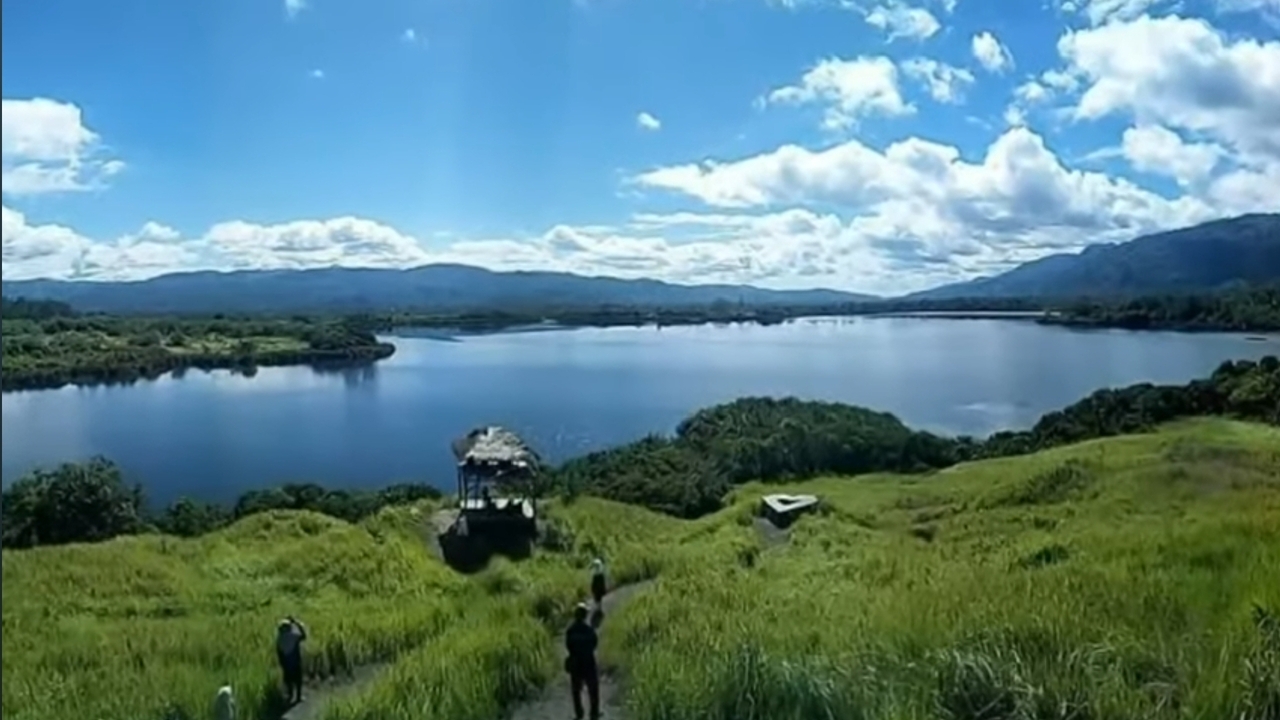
{"x": 1130, "y": 577}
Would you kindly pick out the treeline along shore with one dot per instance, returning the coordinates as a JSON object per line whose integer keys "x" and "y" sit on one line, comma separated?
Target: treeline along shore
{"x": 687, "y": 475}
{"x": 48, "y": 344}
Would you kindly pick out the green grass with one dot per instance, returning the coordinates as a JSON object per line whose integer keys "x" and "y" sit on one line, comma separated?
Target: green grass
{"x": 1115, "y": 579}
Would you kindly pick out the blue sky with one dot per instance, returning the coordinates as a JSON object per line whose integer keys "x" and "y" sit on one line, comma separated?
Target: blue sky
{"x": 881, "y": 146}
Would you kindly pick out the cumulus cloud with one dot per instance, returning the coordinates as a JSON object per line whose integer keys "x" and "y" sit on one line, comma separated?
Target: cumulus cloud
{"x": 1101, "y": 11}
{"x": 849, "y": 90}
{"x": 1184, "y": 74}
{"x": 900, "y": 20}
{"x": 37, "y": 250}
{"x": 645, "y": 121}
{"x": 47, "y": 148}
{"x": 926, "y": 202}
{"x": 946, "y": 83}
{"x": 990, "y": 53}
{"x": 1156, "y": 149}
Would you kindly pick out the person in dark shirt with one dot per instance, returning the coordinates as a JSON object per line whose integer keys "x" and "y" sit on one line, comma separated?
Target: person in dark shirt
{"x": 290, "y": 635}
{"x": 581, "y": 640}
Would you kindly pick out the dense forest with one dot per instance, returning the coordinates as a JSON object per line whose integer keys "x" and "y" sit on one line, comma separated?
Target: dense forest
{"x": 687, "y": 475}
{"x": 46, "y": 345}
{"x": 776, "y": 440}
{"x": 1255, "y": 309}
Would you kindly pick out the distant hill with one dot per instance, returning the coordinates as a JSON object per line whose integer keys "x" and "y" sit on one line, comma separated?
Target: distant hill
{"x": 1213, "y": 256}
{"x": 441, "y": 287}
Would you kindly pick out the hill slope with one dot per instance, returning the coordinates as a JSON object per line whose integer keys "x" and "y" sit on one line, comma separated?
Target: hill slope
{"x": 1212, "y": 256}
{"x": 993, "y": 582}
{"x": 436, "y": 287}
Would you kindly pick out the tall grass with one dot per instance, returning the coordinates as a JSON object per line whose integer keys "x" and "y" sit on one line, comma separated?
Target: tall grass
{"x": 1127, "y": 578}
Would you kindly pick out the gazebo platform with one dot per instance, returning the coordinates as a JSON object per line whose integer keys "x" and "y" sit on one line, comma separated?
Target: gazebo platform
{"x": 782, "y": 510}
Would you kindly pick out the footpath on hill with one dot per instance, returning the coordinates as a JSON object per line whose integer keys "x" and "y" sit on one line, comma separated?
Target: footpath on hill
{"x": 317, "y": 696}
{"x": 555, "y": 701}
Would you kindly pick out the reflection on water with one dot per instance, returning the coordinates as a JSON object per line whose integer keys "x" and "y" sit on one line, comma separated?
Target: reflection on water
{"x": 215, "y": 434}
{"x": 353, "y": 374}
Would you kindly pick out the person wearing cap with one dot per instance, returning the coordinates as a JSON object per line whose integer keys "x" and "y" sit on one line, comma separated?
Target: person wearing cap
{"x": 581, "y": 640}
{"x": 289, "y": 637}
{"x": 597, "y": 581}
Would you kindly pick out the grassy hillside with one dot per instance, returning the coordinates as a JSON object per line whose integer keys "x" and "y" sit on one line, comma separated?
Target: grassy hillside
{"x": 1117, "y": 578}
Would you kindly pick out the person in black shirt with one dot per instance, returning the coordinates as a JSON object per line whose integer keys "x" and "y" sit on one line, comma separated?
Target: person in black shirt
{"x": 581, "y": 640}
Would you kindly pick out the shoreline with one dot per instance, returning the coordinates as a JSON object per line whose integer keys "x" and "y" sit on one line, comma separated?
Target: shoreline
{"x": 160, "y": 366}
{"x": 1057, "y": 426}
{"x": 366, "y": 355}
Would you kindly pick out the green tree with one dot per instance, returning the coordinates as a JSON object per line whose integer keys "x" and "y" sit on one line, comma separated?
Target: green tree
{"x": 84, "y": 502}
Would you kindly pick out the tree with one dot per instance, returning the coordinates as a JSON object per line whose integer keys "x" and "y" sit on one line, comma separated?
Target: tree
{"x": 85, "y": 502}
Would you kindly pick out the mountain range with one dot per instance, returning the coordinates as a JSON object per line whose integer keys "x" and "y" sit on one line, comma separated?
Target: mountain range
{"x": 439, "y": 287}
{"x": 1203, "y": 258}
{"x": 1208, "y": 257}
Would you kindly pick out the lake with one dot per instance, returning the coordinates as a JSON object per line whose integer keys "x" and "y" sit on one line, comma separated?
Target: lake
{"x": 215, "y": 435}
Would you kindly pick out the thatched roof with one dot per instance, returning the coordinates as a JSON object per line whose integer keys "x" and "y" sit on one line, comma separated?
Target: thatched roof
{"x": 495, "y": 447}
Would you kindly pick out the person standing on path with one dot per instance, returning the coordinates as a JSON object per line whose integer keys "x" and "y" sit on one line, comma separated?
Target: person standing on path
{"x": 581, "y": 641}
{"x": 597, "y": 581}
{"x": 289, "y": 637}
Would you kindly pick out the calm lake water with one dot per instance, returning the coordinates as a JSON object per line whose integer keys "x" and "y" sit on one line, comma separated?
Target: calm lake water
{"x": 215, "y": 435}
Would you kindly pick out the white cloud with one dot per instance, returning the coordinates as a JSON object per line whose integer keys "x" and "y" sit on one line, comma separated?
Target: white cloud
{"x": 850, "y": 90}
{"x": 1156, "y": 149}
{"x": 928, "y": 204}
{"x": 1245, "y": 190}
{"x": 293, "y": 7}
{"x": 37, "y": 251}
{"x": 318, "y": 74}
{"x": 409, "y": 35}
{"x": 990, "y": 53}
{"x": 1099, "y": 12}
{"x": 152, "y": 231}
{"x": 1184, "y": 74}
{"x": 946, "y": 83}
{"x": 903, "y": 21}
{"x": 47, "y": 148}
{"x": 645, "y": 121}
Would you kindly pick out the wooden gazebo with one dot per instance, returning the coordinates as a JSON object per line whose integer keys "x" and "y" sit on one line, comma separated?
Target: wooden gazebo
{"x": 497, "y": 479}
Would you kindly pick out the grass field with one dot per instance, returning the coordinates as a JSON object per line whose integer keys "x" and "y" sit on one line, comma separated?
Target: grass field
{"x": 1124, "y": 578}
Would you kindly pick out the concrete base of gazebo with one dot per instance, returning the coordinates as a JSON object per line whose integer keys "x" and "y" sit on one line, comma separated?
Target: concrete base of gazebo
{"x": 782, "y": 510}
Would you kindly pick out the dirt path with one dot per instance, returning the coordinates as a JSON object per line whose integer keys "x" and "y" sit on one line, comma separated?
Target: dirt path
{"x": 555, "y": 703}
{"x": 434, "y": 527}
{"x": 316, "y": 697}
